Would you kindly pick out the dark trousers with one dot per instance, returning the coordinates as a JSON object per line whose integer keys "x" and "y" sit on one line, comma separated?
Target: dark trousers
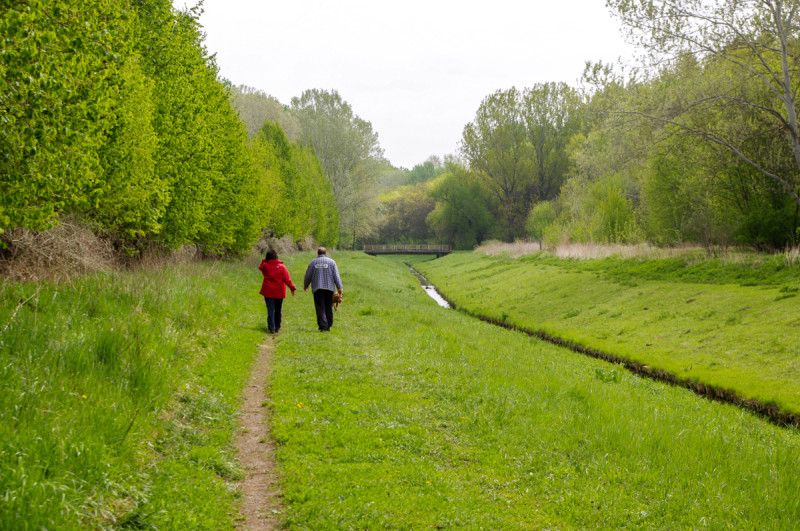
{"x": 274, "y": 307}
{"x": 323, "y": 304}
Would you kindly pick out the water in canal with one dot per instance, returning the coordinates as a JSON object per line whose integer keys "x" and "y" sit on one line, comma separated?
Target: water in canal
{"x": 429, "y": 288}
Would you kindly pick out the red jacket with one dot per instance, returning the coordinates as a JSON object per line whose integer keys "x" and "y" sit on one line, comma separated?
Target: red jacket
{"x": 275, "y": 276}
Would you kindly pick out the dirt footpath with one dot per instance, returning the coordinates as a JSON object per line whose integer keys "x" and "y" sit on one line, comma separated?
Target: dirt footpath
{"x": 261, "y": 499}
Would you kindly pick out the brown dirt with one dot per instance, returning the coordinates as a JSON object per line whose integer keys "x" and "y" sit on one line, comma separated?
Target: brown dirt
{"x": 261, "y": 497}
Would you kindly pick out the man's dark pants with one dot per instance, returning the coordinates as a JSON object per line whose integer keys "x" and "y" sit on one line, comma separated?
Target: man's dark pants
{"x": 323, "y": 304}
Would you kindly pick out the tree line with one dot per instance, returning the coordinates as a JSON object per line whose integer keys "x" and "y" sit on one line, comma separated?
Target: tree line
{"x": 699, "y": 143}
{"x": 113, "y": 112}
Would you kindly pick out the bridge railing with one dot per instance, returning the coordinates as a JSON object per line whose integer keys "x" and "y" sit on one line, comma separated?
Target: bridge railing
{"x": 408, "y": 248}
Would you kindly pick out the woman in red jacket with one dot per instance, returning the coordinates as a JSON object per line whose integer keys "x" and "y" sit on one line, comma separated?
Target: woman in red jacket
{"x": 276, "y": 278}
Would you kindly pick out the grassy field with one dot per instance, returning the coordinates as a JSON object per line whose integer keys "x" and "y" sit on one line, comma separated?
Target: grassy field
{"x": 734, "y": 326}
{"x": 118, "y": 397}
{"x": 409, "y": 416}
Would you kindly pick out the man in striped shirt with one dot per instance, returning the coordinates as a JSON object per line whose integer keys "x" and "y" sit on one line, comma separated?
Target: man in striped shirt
{"x": 323, "y": 277}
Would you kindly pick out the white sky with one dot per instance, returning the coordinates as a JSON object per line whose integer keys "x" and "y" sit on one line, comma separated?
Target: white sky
{"x": 416, "y": 69}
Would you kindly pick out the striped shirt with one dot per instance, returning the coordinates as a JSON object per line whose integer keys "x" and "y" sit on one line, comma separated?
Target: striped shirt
{"x": 322, "y": 273}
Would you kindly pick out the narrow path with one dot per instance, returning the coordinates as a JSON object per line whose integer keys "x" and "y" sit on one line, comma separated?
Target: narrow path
{"x": 261, "y": 499}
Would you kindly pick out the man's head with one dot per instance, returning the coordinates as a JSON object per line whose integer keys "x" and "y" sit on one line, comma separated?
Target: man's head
{"x": 322, "y": 251}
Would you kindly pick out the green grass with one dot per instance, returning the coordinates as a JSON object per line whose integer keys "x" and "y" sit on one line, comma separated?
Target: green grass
{"x": 409, "y": 416}
{"x": 119, "y": 394}
{"x": 733, "y": 326}
{"x": 697, "y": 268}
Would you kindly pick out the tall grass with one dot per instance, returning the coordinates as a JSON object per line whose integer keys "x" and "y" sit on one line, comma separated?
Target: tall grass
{"x": 588, "y": 251}
{"x": 643, "y": 251}
{"x": 98, "y": 379}
{"x": 410, "y": 416}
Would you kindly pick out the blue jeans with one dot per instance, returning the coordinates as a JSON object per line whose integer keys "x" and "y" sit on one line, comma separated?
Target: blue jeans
{"x": 274, "y": 307}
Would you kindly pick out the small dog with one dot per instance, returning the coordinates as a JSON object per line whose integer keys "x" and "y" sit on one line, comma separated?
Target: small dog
{"x": 337, "y": 300}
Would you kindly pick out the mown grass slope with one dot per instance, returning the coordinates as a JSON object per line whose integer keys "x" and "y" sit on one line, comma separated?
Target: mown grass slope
{"x": 410, "y": 416}
{"x": 119, "y": 394}
{"x": 732, "y": 326}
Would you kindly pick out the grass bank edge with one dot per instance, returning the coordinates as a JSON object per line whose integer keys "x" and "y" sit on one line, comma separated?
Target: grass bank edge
{"x": 781, "y": 404}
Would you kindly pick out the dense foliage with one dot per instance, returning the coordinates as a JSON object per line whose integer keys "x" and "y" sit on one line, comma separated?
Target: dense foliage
{"x": 113, "y": 112}
{"x": 700, "y": 144}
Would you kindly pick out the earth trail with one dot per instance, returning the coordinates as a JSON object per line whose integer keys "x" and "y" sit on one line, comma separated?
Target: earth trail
{"x": 261, "y": 497}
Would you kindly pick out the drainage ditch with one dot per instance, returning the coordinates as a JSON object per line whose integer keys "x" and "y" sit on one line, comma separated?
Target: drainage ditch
{"x": 770, "y": 412}
{"x": 430, "y": 289}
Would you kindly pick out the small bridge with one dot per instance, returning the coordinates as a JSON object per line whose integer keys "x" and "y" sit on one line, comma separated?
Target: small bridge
{"x": 437, "y": 249}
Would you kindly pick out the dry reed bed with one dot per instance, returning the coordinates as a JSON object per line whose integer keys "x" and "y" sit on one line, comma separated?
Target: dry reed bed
{"x": 591, "y": 251}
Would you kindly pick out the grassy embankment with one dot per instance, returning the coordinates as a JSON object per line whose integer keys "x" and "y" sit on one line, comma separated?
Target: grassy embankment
{"x": 733, "y": 326}
{"x": 118, "y": 395}
{"x": 409, "y": 416}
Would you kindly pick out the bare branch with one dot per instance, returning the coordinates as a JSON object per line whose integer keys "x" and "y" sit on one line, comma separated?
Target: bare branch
{"x": 741, "y": 101}
{"x": 19, "y": 306}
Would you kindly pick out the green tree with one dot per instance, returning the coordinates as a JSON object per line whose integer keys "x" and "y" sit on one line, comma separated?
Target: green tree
{"x": 518, "y": 141}
{"x": 552, "y": 113}
{"x": 462, "y": 216}
{"x": 496, "y": 145}
{"x": 348, "y": 150}
{"x": 427, "y": 171}
{"x": 405, "y": 211}
{"x": 752, "y": 40}
{"x": 323, "y": 211}
{"x": 130, "y": 200}
{"x": 256, "y": 107}
{"x": 295, "y": 198}
{"x": 541, "y": 216}
{"x": 300, "y": 197}
{"x": 184, "y": 81}
{"x": 58, "y": 62}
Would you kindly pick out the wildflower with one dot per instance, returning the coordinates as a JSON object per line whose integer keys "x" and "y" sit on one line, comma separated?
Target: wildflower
{"x": 300, "y": 405}
{"x": 83, "y": 396}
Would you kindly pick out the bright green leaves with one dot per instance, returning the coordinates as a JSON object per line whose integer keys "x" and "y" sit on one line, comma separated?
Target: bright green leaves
{"x": 462, "y": 213}
{"x": 131, "y": 200}
{"x": 113, "y": 111}
{"x": 300, "y": 196}
{"x": 55, "y": 104}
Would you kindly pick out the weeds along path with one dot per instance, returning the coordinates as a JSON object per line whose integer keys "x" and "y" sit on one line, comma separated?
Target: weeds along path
{"x": 261, "y": 504}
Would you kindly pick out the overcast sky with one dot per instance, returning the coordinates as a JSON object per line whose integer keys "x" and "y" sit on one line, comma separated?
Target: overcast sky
{"x": 416, "y": 69}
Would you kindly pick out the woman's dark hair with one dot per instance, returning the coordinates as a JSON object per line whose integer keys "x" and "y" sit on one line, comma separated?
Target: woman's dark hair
{"x": 272, "y": 254}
